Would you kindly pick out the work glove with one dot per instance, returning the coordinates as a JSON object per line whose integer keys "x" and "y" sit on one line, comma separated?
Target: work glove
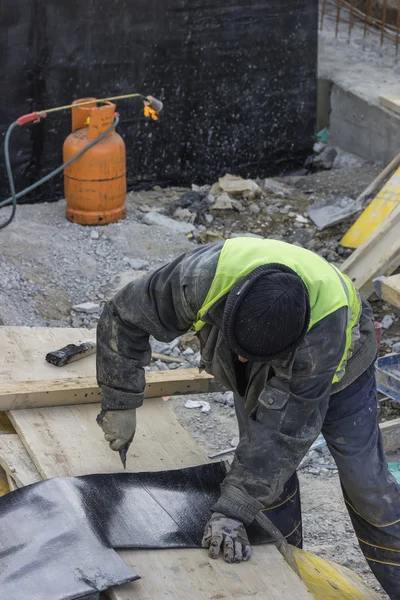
{"x": 119, "y": 427}
{"x": 228, "y": 535}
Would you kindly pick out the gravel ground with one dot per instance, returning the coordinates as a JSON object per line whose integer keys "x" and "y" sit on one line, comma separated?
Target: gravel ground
{"x": 48, "y": 265}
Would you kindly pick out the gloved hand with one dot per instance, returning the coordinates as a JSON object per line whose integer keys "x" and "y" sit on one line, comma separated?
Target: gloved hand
{"x": 227, "y": 534}
{"x": 119, "y": 427}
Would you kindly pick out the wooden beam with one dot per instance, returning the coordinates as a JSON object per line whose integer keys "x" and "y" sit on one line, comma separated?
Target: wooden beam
{"x": 378, "y": 255}
{"x": 65, "y": 392}
{"x": 11, "y": 483}
{"x": 391, "y": 102}
{"x": 391, "y": 435}
{"x": 388, "y": 288}
{"x": 27, "y": 380}
{"x": 67, "y": 442}
{"x": 16, "y": 462}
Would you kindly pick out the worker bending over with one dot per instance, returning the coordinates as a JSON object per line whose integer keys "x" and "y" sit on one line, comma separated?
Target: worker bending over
{"x": 287, "y": 333}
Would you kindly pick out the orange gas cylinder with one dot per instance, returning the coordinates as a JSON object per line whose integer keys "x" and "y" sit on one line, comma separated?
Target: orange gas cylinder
{"x": 95, "y": 184}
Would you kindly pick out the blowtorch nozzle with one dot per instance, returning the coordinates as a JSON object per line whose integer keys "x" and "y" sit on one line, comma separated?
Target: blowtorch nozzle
{"x": 155, "y": 104}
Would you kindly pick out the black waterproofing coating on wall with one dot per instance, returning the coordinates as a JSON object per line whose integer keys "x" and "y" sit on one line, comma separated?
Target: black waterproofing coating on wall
{"x": 56, "y": 536}
{"x": 237, "y": 78}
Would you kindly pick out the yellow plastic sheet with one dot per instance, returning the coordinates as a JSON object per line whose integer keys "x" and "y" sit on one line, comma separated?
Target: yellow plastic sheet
{"x": 327, "y": 580}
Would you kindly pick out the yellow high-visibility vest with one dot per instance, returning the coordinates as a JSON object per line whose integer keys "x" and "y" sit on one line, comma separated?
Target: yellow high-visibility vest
{"x": 328, "y": 288}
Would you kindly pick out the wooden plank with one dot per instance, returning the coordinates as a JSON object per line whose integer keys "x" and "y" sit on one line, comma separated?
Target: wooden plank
{"x": 391, "y": 435}
{"x": 27, "y": 380}
{"x": 24, "y": 350}
{"x": 4, "y": 487}
{"x": 11, "y": 483}
{"x": 65, "y": 441}
{"x": 388, "y": 288}
{"x": 378, "y": 255}
{"x": 65, "y": 392}
{"x": 180, "y": 575}
{"x": 391, "y": 102}
{"x": 16, "y": 462}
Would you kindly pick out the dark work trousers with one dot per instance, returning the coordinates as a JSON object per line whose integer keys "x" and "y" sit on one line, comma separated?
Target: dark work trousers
{"x": 370, "y": 492}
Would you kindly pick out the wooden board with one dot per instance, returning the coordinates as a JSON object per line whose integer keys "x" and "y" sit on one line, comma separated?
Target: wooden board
{"x": 16, "y": 462}
{"x": 187, "y": 574}
{"x": 4, "y": 487}
{"x": 391, "y": 102}
{"x": 11, "y": 483}
{"x": 388, "y": 288}
{"x": 378, "y": 255}
{"x": 66, "y": 441}
{"x": 27, "y": 380}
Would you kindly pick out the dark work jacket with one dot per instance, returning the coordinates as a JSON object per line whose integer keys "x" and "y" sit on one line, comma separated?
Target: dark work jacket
{"x": 286, "y": 400}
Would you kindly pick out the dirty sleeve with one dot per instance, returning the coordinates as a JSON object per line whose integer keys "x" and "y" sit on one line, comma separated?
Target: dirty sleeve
{"x": 287, "y": 419}
{"x": 153, "y": 305}
{"x": 163, "y": 304}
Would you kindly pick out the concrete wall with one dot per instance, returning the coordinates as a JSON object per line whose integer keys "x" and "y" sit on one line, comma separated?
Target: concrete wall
{"x": 362, "y": 128}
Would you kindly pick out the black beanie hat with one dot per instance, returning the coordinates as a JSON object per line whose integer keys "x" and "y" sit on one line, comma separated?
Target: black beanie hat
{"x": 267, "y": 313}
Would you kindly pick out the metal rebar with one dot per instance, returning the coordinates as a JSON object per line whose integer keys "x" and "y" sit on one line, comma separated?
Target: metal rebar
{"x": 323, "y": 12}
{"x": 384, "y": 17}
{"x": 351, "y": 19}
{"x": 367, "y": 17}
{"x": 339, "y": 8}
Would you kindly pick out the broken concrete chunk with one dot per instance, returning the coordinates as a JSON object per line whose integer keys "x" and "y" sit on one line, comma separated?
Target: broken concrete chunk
{"x": 154, "y": 218}
{"x": 135, "y": 263}
{"x": 162, "y": 366}
{"x": 86, "y": 307}
{"x": 188, "y": 352}
{"x": 164, "y": 347}
{"x": 332, "y": 211}
{"x": 215, "y": 190}
{"x": 94, "y": 235}
{"x": 254, "y": 208}
{"x": 325, "y": 160}
{"x": 183, "y": 214}
{"x": 209, "y": 236}
{"x": 276, "y": 188}
{"x": 223, "y": 202}
{"x": 237, "y": 186}
{"x": 200, "y": 188}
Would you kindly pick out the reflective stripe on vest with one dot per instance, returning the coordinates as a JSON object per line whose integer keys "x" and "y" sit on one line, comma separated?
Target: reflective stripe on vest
{"x": 328, "y": 289}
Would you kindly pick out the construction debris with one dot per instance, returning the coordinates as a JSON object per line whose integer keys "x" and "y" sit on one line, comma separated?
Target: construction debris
{"x": 324, "y": 160}
{"x": 205, "y": 406}
{"x": 87, "y": 308}
{"x": 378, "y": 255}
{"x": 332, "y": 211}
{"x": 159, "y": 220}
